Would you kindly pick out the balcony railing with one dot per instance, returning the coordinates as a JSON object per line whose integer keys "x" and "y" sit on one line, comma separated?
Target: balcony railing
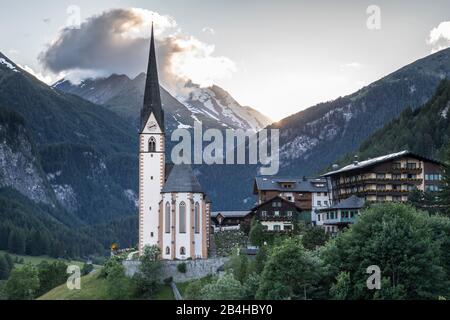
{"x": 380, "y": 180}
{"x": 340, "y": 220}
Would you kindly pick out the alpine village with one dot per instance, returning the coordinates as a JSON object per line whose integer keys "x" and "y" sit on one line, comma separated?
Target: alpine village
{"x": 140, "y": 227}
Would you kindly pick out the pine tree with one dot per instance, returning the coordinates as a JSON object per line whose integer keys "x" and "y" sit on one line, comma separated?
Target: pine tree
{"x": 10, "y": 261}
{"x": 4, "y": 268}
{"x": 16, "y": 242}
{"x": 444, "y": 195}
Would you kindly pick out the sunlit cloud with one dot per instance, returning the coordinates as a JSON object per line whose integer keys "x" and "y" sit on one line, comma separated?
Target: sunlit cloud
{"x": 46, "y": 78}
{"x": 117, "y": 41}
{"x": 439, "y": 37}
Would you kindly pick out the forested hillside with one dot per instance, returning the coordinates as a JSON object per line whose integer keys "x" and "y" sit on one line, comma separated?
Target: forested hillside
{"x": 425, "y": 130}
{"x": 68, "y": 171}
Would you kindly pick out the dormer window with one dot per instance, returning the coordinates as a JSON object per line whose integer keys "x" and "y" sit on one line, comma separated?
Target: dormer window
{"x": 320, "y": 185}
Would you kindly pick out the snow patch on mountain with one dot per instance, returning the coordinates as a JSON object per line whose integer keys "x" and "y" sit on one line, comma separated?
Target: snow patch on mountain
{"x": 66, "y": 196}
{"x": 131, "y": 195}
{"x": 444, "y": 113}
{"x": 218, "y": 104}
{"x": 298, "y": 147}
{"x": 8, "y": 65}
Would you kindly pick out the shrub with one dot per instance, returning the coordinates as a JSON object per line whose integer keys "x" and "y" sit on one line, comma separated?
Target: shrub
{"x": 182, "y": 267}
{"x": 225, "y": 288}
{"x": 87, "y": 268}
{"x": 168, "y": 281}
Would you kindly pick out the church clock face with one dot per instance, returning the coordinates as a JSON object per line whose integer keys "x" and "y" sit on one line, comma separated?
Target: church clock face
{"x": 151, "y": 126}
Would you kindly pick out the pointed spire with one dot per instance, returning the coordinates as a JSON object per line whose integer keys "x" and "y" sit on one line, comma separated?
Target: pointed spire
{"x": 152, "y": 97}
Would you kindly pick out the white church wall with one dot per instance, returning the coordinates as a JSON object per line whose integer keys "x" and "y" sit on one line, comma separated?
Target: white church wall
{"x": 182, "y": 239}
{"x": 151, "y": 171}
{"x": 167, "y": 237}
{"x": 198, "y": 198}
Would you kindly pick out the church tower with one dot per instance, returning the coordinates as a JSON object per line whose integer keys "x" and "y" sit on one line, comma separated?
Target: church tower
{"x": 151, "y": 156}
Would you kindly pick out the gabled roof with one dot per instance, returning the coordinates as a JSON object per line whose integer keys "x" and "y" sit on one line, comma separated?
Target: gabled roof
{"x": 152, "y": 97}
{"x": 381, "y": 159}
{"x": 298, "y": 184}
{"x": 352, "y": 202}
{"x": 277, "y": 198}
{"x": 230, "y": 214}
{"x": 182, "y": 179}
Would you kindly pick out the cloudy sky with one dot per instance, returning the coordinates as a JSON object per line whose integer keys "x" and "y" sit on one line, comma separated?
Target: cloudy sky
{"x": 276, "y": 56}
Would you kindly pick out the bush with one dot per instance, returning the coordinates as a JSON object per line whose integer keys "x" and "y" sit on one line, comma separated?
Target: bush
{"x": 87, "y": 268}
{"x": 194, "y": 288}
{"x": 314, "y": 237}
{"x": 111, "y": 263}
{"x": 5, "y": 268}
{"x": 410, "y": 248}
{"x": 148, "y": 278}
{"x": 23, "y": 284}
{"x": 119, "y": 286}
{"x": 225, "y": 288}
{"x": 182, "y": 267}
{"x": 168, "y": 281}
{"x": 227, "y": 241}
{"x": 3, "y": 295}
{"x": 289, "y": 273}
{"x": 238, "y": 265}
{"x": 257, "y": 233}
{"x": 51, "y": 275}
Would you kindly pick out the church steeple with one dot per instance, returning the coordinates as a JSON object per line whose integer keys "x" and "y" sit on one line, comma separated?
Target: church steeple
{"x": 152, "y": 97}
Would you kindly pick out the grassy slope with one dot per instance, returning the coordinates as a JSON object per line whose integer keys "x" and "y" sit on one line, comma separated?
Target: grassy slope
{"x": 93, "y": 288}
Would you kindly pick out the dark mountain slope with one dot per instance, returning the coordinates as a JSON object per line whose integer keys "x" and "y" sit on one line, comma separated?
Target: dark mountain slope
{"x": 77, "y": 142}
{"x": 317, "y": 136}
{"x": 425, "y": 130}
{"x": 54, "y": 117}
{"x": 313, "y": 139}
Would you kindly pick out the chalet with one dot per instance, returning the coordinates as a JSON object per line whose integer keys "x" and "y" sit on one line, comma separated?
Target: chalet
{"x": 221, "y": 219}
{"x": 278, "y": 214}
{"x": 308, "y": 194}
{"x": 340, "y": 215}
{"x": 387, "y": 178}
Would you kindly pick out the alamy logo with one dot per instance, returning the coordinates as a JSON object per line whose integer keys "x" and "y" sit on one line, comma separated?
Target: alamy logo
{"x": 262, "y": 147}
{"x": 374, "y": 19}
{"x": 374, "y": 280}
{"x": 74, "y": 280}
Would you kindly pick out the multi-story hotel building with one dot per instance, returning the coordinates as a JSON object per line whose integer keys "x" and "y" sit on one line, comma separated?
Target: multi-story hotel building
{"x": 387, "y": 178}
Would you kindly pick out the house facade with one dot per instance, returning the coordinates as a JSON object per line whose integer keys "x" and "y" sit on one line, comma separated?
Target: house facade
{"x": 226, "y": 219}
{"x": 308, "y": 194}
{"x": 340, "y": 215}
{"x": 387, "y": 178}
{"x": 278, "y": 214}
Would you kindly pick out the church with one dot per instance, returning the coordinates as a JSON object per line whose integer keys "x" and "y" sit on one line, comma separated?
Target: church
{"x": 174, "y": 212}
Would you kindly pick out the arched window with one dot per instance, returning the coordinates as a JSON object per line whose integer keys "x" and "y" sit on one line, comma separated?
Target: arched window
{"x": 167, "y": 250}
{"x": 182, "y": 226}
{"x": 151, "y": 144}
{"x": 197, "y": 218}
{"x": 182, "y": 251}
{"x": 167, "y": 222}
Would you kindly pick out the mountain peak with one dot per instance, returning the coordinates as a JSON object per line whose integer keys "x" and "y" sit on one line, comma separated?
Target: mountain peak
{"x": 213, "y": 106}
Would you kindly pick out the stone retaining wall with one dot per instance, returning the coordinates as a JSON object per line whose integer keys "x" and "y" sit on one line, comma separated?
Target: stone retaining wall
{"x": 195, "y": 269}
